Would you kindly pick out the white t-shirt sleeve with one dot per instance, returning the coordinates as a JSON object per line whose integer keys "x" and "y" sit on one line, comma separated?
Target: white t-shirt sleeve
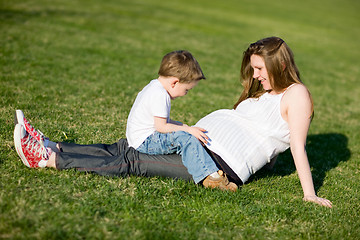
{"x": 159, "y": 105}
{"x": 152, "y": 101}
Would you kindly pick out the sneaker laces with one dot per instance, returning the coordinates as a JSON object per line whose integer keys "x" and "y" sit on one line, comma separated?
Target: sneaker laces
{"x": 36, "y": 148}
{"x": 37, "y": 134}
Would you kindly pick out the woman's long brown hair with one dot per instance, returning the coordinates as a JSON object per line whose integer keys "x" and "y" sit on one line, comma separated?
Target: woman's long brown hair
{"x": 279, "y": 63}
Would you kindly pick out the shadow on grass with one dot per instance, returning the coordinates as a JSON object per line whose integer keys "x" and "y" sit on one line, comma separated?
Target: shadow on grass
{"x": 325, "y": 152}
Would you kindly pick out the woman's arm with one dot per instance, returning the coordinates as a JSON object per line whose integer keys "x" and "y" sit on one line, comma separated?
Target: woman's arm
{"x": 297, "y": 112}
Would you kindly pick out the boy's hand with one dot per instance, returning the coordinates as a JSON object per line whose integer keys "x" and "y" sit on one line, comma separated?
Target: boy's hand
{"x": 161, "y": 125}
{"x": 199, "y": 133}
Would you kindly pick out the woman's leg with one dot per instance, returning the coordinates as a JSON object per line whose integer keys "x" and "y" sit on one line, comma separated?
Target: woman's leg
{"x": 118, "y": 160}
{"x": 91, "y": 149}
{"x": 77, "y": 149}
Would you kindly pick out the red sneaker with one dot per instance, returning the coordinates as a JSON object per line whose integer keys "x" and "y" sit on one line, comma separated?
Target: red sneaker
{"x": 31, "y": 152}
{"x": 39, "y": 136}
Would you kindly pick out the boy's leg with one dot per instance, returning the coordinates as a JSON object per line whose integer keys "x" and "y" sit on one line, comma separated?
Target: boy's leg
{"x": 194, "y": 156}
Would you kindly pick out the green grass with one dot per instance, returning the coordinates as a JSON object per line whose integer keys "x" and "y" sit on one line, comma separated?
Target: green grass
{"x": 75, "y": 67}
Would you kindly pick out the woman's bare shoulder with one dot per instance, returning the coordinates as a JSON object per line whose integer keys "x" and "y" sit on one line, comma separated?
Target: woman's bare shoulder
{"x": 297, "y": 91}
{"x": 296, "y": 100}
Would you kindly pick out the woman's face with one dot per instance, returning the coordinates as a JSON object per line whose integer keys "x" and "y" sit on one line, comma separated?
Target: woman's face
{"x": 260, "y": 72}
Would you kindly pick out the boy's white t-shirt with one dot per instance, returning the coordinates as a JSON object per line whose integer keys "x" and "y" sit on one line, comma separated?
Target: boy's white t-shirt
{"x": 152, "y": 101}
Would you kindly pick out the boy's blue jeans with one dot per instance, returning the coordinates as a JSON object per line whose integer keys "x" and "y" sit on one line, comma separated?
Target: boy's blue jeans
{"x": 194, "y": 156}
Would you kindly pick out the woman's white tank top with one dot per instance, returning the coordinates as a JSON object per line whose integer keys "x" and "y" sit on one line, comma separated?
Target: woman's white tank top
{"x": 249, "y": 136}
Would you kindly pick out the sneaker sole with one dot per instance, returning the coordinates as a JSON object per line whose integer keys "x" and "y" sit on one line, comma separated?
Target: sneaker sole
{"x": 19, "y": 117}
{"x": 17, "y": 142}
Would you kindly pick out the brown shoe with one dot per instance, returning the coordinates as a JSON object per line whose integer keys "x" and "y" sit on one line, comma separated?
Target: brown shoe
{"x": 222, "y": 182}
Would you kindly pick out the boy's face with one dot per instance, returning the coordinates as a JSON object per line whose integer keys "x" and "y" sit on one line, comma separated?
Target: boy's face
{"x": 181, "y": 89}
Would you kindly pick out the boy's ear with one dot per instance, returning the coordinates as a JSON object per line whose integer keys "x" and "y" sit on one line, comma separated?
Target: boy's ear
{"x": 173, "y": 82}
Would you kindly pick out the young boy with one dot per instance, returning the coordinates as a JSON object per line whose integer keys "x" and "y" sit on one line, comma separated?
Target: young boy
{"x": 149, "y": 127}
{"x": 149, "y": 130}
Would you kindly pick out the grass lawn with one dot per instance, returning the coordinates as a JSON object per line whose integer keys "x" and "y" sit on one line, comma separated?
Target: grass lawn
{"x": 75, "y": 66}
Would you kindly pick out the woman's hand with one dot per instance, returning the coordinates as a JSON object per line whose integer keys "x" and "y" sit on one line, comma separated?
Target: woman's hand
{"x": 318, "y": 200}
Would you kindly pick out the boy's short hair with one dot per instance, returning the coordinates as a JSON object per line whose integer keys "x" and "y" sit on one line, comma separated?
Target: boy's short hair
{"x": 182, "y": 65}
